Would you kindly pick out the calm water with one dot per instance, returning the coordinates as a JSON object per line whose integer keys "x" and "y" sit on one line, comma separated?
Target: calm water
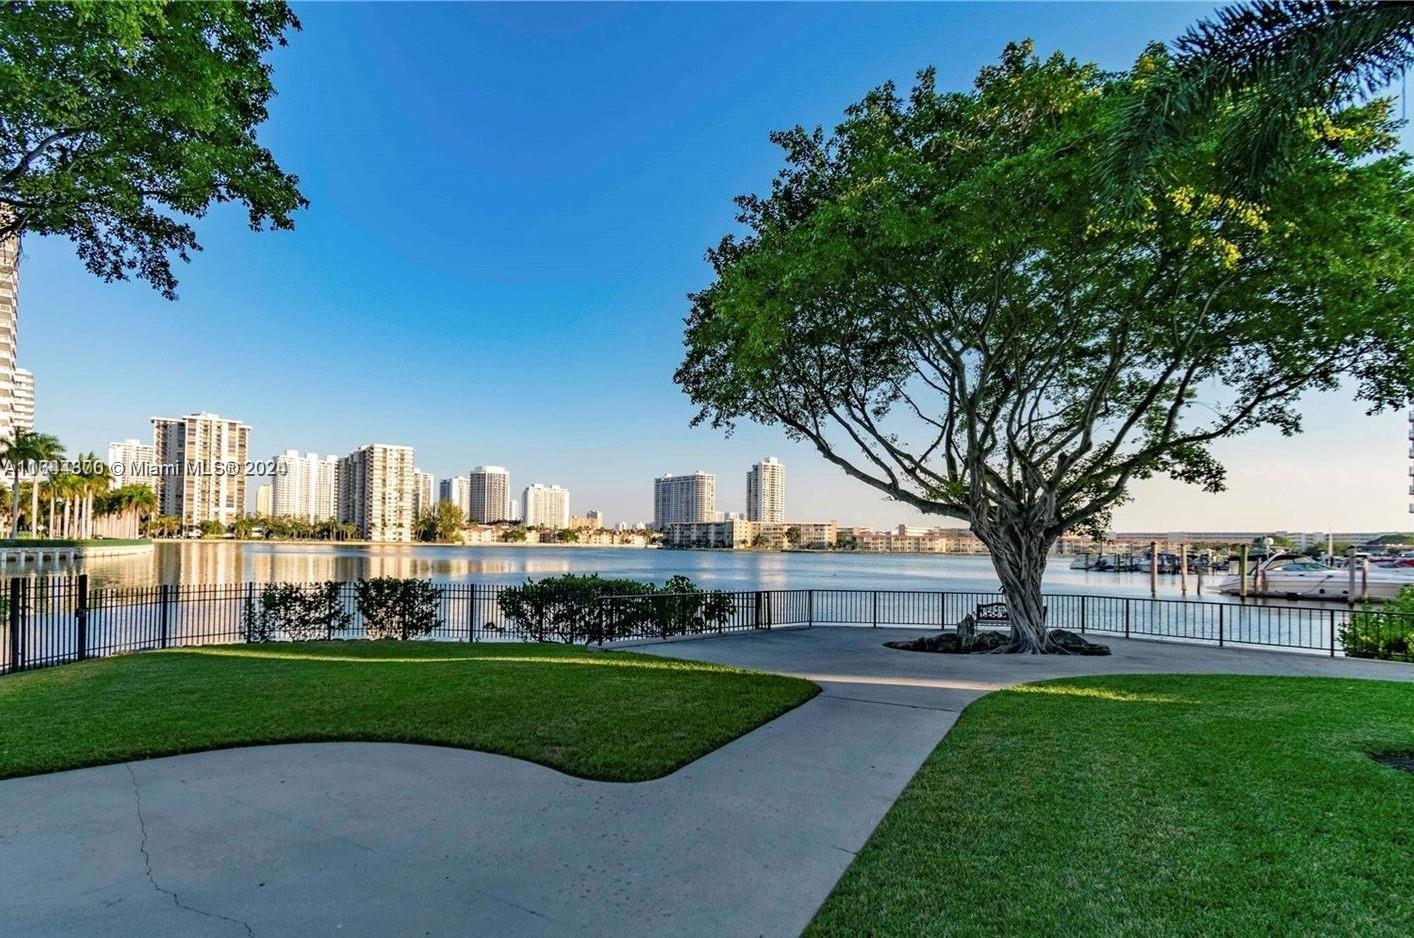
{"x": 216, "y": 562}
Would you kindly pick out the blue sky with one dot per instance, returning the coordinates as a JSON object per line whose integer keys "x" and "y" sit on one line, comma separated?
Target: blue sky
{"x": 509, "y": 203}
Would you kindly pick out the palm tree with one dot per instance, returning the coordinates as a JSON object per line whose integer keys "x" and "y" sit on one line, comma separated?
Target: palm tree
{"x": 1264, "y": 64}
{"x": 25, "y": 449}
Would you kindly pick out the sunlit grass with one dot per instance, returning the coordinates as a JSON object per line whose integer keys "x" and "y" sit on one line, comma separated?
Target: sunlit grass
{"x": 1150, "y": 805}
{"x": 604, "y": 715}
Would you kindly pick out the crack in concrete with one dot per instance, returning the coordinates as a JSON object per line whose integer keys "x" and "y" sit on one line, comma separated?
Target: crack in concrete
{"x": 147, "y": 864}
{"x": 891, "y": 703}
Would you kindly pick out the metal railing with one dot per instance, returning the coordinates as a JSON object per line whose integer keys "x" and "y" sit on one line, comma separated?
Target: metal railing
{"x": 59, "y": 620}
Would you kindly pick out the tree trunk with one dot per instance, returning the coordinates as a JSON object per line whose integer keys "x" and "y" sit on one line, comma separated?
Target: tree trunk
{"x": 15, "y": 505}
{"x": 34, "y": 503}
{"x": 1019, "y": 557}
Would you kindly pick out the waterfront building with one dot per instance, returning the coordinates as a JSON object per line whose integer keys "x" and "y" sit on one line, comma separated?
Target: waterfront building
{"x": 423, "y": 485}
{"x": 766, "y": 491}
{"x": 9, "y": 330}
{"x": 490, "y": 495}
{"x": 265, "y": 500}
{"x": 546, "y": 506}
{"x": 305, "y": 486}
{"x": 685, "y": 499}
{"x": 815, "y": 535}
{"x": 132, "y": 462}
{"x": 596, "y": 518}
{"x": 376, "y": 491}
{"x": 583, "y": 522}
{"x": 201, "y": 461}
{"x": 457, "y": 491}
{"x": 23, "y": 410}
{"x": 515, "y": 510}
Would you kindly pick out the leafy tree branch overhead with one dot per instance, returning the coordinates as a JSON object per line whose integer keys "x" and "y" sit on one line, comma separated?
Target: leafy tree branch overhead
{"x": 122, "y": 122}
{"x": 938, "y": 297}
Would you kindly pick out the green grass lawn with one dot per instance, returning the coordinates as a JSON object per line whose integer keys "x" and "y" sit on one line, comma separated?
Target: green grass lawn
{"x": 1150, "y": 805}
{"x": 601, "y": 715}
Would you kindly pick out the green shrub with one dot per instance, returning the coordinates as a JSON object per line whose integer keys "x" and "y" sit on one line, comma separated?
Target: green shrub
{"x": 574, "y": 608}
{"x": 396, "y": 608}
{"x": 1385, "y": 631}
{"x": 296, "y": 612}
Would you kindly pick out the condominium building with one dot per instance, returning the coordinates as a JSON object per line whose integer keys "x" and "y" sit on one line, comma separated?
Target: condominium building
{"x": 23, "y": 402}
{"x": 490, "y": 496}
{"x": 132, "y": 462}
{"x": 457, "y": 491}
{"x": 546, "y": 506}
{"x": 766, "y": 491}
{"x": 684, "y": 499}
{"x": 423, "y": 485}
{"x": 201, "y": 461}
{"x": 265, "y": 500}
{"x": 12, "y": 412}
{"x": 596, "y": 518}
{"x": 376, "y": 491}
{"x": 305, "y": 486}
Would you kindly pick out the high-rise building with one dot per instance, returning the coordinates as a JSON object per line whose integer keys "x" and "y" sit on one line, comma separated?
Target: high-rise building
{"x": 201, "y": 467}
{"x": 546, "y": 506}
{"x": 265, "y": 500}
{"x": 766, "y": 491}
{"x": 132, "y": 462}
{"x": 457, "y": 491}
{"x": 683, "y": 499}
{"x": 305, "y": 486}
{"x": 23, "y": 407}
{"x": 423, "y": 485}
{"x": 490, "y": 494}
{"x": 596, "y": 518}
{"x": 9, "y": 328}
{"x": 376, "y": 491}
{"x": 10, "y": 342}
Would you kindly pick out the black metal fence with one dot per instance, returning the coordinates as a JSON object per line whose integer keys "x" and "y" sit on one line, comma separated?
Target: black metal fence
{"x": 59, "y": 620}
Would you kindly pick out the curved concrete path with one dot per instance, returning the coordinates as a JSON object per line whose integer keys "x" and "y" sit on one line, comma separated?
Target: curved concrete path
{"x": 381, "y": 839}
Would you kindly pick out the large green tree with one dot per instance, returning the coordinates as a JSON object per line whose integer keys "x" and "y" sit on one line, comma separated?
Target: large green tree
{"x": 120, "y": 122}
{"x": 938, "y": 297}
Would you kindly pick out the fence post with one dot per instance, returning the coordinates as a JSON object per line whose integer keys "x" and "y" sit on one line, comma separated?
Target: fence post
{"x": 1126, "y": 617}
{"x": 1332, "y": 614}
{"x": 81, "y": 618}
{"x": 248, "y": 611}
{"x": 17, "y": 662}
{"x": 1220, "y": 626}
{"x": 760, "y": 603}
{"x": 165, "y": 595}
{"x": 876, "y": 609}
{"x": 471, "y": 616}
{"x": 1082, "y": 613}
{"x": 810, "y": 608}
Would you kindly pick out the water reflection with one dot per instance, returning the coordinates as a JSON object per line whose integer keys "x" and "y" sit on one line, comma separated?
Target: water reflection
{"x": 207, "y": 562}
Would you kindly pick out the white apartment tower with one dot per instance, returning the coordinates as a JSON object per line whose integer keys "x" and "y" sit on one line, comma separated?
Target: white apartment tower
{"x": 16, "y": 384}
{"x": 132, "y": 462}
{"x": 202, "y": 461}
{"x": 423, "y": 485}
{"x": 457, "y": 491}
{"x": 490, "y": 494}
{"x": 305, "y": 486}
{"x": 23, "y": 401}
{"x": 376, "y": 491}
{"x": 684, "y": 499}
{"x": 766, "y": 491}
{"x": 546, "y": 506}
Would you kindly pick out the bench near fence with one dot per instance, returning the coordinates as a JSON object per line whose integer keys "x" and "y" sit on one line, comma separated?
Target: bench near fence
{"x": 61, "y": 619}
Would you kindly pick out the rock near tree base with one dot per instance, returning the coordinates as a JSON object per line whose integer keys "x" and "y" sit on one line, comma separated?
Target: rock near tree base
{"x": 988, "y": 640}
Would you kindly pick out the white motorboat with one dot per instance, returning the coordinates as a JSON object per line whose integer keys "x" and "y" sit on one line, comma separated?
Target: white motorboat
{"x": 1297, "y": 577}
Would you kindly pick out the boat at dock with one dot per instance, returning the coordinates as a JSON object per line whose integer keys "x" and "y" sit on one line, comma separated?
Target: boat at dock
{"x": 1292, "y": 576}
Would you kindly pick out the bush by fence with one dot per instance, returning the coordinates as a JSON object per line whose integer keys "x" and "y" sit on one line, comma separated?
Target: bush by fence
{"x": 401, "y": 609}
{"x": 1386, "y": 632}
{"x": 574, "y": 608}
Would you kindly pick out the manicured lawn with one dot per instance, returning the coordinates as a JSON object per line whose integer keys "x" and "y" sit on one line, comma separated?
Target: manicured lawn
{"x": 602, "y": 715}
{"x": 1150, "y": 805}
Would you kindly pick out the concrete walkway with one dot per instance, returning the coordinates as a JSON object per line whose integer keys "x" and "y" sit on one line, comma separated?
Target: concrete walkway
{"x": 381, "y": 839}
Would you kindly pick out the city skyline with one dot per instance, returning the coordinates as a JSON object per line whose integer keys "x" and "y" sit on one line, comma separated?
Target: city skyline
{"x": 401, "y": 257}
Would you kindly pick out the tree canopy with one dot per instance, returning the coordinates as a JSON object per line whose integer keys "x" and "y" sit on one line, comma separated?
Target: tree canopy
{"x": 121, "y": 122}
{"x": 938, "y": 296}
